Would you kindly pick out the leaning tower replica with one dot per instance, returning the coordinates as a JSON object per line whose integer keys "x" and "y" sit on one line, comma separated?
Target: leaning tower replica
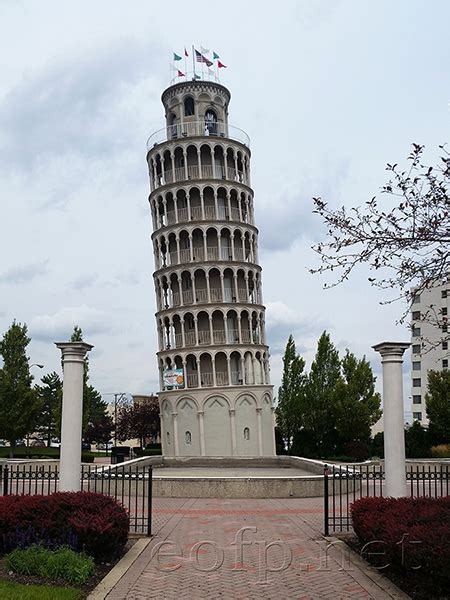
{"x": 216, "y": 397}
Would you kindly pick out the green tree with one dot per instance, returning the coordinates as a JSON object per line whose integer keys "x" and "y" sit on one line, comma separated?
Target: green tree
{"x": 438, "y": 406}
{"x": 94, "y": 407}
{"x": 19, "y": 405}
{"x": 357, "y": 404}
{"x": 319, "y": 412}
{"x": 417, "y": 441}
{"x": 291, "y": 393}
{"x": 50, "y": 398}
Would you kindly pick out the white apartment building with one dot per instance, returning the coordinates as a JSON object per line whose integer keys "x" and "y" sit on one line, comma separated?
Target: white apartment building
{"x": 429, "y": 344}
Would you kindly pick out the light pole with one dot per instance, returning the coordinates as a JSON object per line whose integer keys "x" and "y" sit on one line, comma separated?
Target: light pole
{"x": 118, "y": 397}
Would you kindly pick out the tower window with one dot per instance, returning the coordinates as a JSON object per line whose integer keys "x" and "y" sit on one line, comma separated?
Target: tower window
{"x": 210, "y": 122}
{"x": 168, "y": 438}
{"x": 188, "y": 437}
{"x": 246, "y": 433}
{"x": 189, "y": 106}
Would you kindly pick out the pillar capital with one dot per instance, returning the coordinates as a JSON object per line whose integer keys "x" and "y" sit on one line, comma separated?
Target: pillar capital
{"x": 73, "y": 351}
{"x": 391, "y": 351}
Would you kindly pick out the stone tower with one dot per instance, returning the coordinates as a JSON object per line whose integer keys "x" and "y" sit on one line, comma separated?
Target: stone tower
{"x": 216, "y": 397}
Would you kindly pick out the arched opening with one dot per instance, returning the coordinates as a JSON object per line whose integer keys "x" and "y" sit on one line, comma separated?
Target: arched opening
{"x": 204, "y": 335}
{"x": 191, "y": 371}
{"x": 210, "y": 122}
{"x": 215, "y": 286}
{"x": 246, "y": 434}
{"x": 221, "y": 368}
{"x": 189, "y": 106}
{"x": 235, "y": 367}
{"x": 186, "y": 287}
{"x": 201, "y": 292}
{"x": 206, "y": 370}
{"x": 218, "y": 327}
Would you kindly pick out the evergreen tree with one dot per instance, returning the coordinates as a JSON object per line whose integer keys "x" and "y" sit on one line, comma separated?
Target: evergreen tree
{"x": 94, "y": 407}
{"x": 438, "y": 406}
{"x": 357, "y": 405}
{"x": 319, "y": 414}
{"x": 291, "y": 393}
{"x": 19, "y": 406}
{"x": 50, "y": 398}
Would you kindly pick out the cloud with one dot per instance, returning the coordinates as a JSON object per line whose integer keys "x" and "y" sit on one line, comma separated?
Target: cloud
{"x": 282, "y": 321}
{"x": 287, "y": 216}
{"x": 85, "y": 281}
{"x": 59, "y": 326}
{"x": 70, "y": 106}
{"x": 24, "y": 273}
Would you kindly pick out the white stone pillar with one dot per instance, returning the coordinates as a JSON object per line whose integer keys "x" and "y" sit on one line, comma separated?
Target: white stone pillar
{"x": 394, "y": 437}
{"x": 233, "y": 431}
{"x": 201, "y": 424}
{"x": 73, "y": 355}
{"x": 259, "y": 426}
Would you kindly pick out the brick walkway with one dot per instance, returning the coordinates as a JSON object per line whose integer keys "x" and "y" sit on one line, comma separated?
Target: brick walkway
{"x": 241, "y": 549}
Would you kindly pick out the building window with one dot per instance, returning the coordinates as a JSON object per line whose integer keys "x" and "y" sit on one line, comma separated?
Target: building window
{"x": 189, "y": 106}
{"x": 246, "y": 433}
{"x": 417, "y": 399}
{"x": 188, "y": 437}
{"x": 416, "y": 315}
{"x": 416, "y": 331}
{"x": 416, "y": 365}
{"x": 444, "y": 345}
{"x": 168, "y": 438}
{"x": 417, "y": 416}
{"x": 416, "y": 299}
{"x": 445, "y": 363}
{"x": 416, "y": 348}
{"x": 444, "y": 294}
{"x": 416, "y": 382}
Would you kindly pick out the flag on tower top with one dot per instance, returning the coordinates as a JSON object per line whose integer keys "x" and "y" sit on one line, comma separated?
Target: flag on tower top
{"x": 180, "y": 74}
{"x": 176, "y": 56}
{"x": 204, "y": 50}
{"x": 186, "y": 52}
{"x": 221, "y": 65}
{"x": 215, "y": 55}
{"x": 196, "y": 76}
{"x": 202, "y": 59}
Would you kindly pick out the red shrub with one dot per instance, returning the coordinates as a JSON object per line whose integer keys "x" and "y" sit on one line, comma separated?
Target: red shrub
{"x": 95, "y": 523}
{"x": 413, "y": 532}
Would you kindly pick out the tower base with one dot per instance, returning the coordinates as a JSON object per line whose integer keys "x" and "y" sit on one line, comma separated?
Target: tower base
{"x": 221, "y": 421}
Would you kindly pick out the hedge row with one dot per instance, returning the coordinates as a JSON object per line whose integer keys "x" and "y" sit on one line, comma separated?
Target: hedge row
{"x": 412, "y": 535}
{"x": 51, "y": 453}
{"x": 93, "y": 523}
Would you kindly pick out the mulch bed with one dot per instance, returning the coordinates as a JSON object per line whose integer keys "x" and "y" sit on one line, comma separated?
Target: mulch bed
{"x": 414, "y": 583}
{"x": 101, "y": 570}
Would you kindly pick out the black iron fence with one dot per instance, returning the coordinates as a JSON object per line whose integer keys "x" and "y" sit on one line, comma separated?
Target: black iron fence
{"x": 343, "y": 484}
{"x": 129, "y": 485}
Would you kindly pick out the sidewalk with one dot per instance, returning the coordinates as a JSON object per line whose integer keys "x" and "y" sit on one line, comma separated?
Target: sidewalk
{"x": 241, "y": 549}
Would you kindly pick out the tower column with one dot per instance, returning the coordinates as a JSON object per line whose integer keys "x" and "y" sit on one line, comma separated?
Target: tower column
{"x": 201, "y": 426}
{"x": 259, "y": 425}
{"x": 175, "y": 433}
{"x": 233, "y": 431}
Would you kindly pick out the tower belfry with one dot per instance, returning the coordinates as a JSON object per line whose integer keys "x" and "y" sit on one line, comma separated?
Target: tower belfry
{"x": 213, "y": 360}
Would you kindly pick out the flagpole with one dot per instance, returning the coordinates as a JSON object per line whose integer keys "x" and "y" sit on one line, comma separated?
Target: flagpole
{"x": 193, "y": 60}
{"x": 185, "y": 63}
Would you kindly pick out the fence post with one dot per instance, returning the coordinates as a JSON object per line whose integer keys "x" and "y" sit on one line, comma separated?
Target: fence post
{"x": 5, "y": 480}
{"x": 149, "y": 501}
{"x": 325, "y": 500}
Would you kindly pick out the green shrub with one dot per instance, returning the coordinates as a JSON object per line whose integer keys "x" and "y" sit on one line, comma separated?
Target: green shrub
{"x": 63, "y": 564}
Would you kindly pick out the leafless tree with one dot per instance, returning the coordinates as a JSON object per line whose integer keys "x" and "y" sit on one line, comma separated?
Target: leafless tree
{"x": 406, "y": 244}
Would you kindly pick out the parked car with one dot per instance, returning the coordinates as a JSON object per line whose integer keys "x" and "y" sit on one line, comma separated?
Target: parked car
{"x": 107, "y": 446}
{"x": 86, "y": 445}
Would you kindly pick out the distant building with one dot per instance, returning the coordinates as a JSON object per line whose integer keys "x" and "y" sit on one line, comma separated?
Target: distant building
{"x": 430, "y": 339}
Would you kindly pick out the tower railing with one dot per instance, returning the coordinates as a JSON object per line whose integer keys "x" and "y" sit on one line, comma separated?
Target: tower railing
{"x": 192, "y": 173}
{"x": 197, "y": 129}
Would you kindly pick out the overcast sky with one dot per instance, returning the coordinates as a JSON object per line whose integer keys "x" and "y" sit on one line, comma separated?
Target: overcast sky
{"x": 328, "y": 91}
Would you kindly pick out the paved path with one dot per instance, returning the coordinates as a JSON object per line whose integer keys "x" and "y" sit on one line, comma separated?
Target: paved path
{"x": 243, "y": 549}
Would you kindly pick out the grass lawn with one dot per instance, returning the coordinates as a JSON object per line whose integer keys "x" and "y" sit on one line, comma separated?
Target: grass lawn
{"x": 18, "y": 591}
